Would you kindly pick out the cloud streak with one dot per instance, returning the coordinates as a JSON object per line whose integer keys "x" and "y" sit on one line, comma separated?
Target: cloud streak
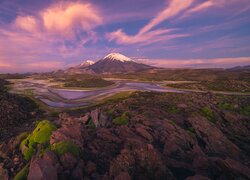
{"x": 197, "y": 63}
{"x": 174, "y": 8}
{"x": 148, "y": 36}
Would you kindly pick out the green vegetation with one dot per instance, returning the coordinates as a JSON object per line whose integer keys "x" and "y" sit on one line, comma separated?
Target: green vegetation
{"x": 40, "y": 136}
{"x": 191, "y": 130}
{"x": 122, "y": 120}
{"x": 226, "y": 106}
{"x": 245, "y": 110}
{"x": 172, "y": 122}
{"x": 216, "y": 85}
{"x": 110, "y": 111}
{"x": 64, "y": 147}
{"x": 172, "y": 109}
{"x": 120, "y": 95}
{"x": 91, "y": 124}
{"x": 85, "y": 81}
{"x": 208, "y": 113}
{"x": 185, "y": 75}
{"x": 22, "y": 175}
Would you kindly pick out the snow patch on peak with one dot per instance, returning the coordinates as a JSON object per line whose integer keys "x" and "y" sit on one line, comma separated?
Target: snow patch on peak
{"x": 117, "y": 57}
{"x": 88, "y": 62}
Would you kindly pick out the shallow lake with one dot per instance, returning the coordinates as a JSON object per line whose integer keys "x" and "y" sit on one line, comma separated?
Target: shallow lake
{"x": 75, "y": 98}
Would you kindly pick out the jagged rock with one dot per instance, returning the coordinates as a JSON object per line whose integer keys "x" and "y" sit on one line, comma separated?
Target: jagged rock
{"x": 16, "y": 160}
{"x": 179, "y": 145}
{"x": 144, "y": 133}
{"x": 50, "y": 157}
{"x": 103, "y": 120}
{"x": 148, "y": 160}
{"x": 233, "y": 169}
{"x": 41, "y": 169}
{"x": 71, "y": 133}
{"x": 3, "y": 173}
{"x": 77, "y": 173}
{"x": 197, "y": 177}
{"x": 214, "y": 141}
{"x": 62, "y": 118}
{"x": 123, "y": 176}
{"x": 84, "y": 119}
{"x": 4, "y": 150}
{"x": 68, "y": 161}
{"x": 90, "y": 168}
{"x": 124, "y": 162}
{"x": 95, "y": 117}
{"x": 107, "y": 136}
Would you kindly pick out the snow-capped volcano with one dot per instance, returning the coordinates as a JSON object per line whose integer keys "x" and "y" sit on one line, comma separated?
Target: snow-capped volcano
{"x": 117, "y": 57}
{"x": 117, "y": 63}
{"x": 112, "y": 63}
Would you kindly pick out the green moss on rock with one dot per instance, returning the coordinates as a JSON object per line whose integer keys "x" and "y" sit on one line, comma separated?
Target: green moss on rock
{"x": 122, "y": 120}
{"x": 208, "y": 113}
{"x": 22, "y": 175}
{"x": 64, "y": 147}
{"x": 40, "y": 135}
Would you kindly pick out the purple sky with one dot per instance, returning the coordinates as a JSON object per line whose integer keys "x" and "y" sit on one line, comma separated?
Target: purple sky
{"x": 47, "y": 35}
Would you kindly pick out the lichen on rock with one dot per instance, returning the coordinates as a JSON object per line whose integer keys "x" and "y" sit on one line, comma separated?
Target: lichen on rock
{"x": 40, "y": 135}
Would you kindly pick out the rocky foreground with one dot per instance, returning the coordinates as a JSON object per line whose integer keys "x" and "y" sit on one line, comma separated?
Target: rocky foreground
{"x": 146, "y": 136}
{"x": 15, "y": 112}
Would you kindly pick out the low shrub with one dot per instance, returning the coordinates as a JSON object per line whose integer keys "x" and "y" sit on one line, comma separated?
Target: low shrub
{"x": 22, "y": 174}
{"x": 208, "y": 113}
{"x": 122, "y": 120}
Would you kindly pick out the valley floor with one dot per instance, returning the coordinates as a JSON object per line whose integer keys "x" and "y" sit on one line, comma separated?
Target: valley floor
{"x": 46, "y": 91}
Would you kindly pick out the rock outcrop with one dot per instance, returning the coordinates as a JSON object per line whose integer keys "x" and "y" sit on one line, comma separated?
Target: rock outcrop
{"x": 177, "y": 143}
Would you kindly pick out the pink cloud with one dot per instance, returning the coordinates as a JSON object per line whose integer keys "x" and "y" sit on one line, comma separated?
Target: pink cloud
{"x": 43, "y": 66}
{"x": 143, "y": 39}
{"x": 197, "y": 63}
{"x": 217, "y": 4}
{"x": 61, "y": 19}
{"x": 4, "y": 64}
{"x": 201, "y": 6}
{"x": 27, "y": 23}
{"x": 64, "y": 18}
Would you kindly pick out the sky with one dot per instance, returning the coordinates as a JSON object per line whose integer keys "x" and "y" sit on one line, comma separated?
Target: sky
{"x": 39, "y": 36}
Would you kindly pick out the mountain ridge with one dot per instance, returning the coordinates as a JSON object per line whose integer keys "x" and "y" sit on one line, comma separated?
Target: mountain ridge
{"x": 111, "y": 63}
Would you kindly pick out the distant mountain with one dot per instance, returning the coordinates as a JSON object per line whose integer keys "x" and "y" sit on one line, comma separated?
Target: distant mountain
{"x": 87, "y": 63}
{"x": 81, "y": 68}
{"x": 240, "y": 68}
{"x": 117, "y": 63}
